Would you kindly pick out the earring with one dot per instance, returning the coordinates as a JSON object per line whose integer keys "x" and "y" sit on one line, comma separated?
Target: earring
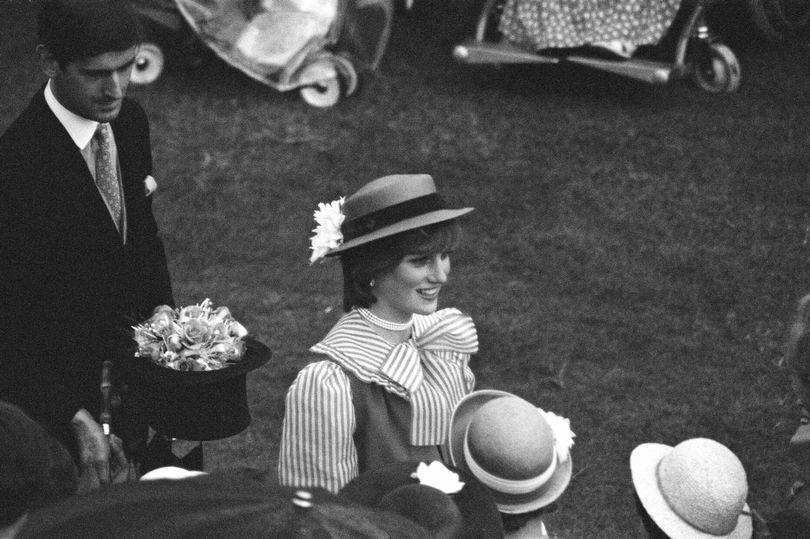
{"x": 371, "y": 283}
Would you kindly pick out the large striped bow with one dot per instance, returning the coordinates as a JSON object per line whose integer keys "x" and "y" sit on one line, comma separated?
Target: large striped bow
{"x": 447, "y": 330}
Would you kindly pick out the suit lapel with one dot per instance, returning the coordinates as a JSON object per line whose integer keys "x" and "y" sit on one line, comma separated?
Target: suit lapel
{"x": 77, "y": 185}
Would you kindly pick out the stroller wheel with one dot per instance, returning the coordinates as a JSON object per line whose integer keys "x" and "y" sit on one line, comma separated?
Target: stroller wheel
{"x": 148, "y": 64}
{"x": 324, "y": 90}
{"x": 324, "y": 93}
{"x": 347, "y": 72}
{"x": 718, "y": 71}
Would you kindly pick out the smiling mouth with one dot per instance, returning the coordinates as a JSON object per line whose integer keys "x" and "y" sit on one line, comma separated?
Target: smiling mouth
{"x": 429, "y": 293}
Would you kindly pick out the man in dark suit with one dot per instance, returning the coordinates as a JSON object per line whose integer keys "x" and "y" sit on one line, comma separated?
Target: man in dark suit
{"x": 80, "y": 255}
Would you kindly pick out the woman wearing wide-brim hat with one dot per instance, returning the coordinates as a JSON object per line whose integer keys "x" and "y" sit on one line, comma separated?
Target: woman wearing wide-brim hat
{"x": 393, "y": 367}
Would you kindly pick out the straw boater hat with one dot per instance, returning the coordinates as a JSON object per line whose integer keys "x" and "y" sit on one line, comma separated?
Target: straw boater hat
{"x": 517, "y": 450}
{"x": 696, "y": 489}
{"x": 390, "y": 205}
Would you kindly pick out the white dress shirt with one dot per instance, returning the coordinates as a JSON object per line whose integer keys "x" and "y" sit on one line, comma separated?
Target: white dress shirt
{"x": 81, "y": 131}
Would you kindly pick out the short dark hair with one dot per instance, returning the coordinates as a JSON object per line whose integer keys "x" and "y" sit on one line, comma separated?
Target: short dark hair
{"x": 366, "y": 262}
{"x": 35, "y": 469}
{"x": 78, "y": 29}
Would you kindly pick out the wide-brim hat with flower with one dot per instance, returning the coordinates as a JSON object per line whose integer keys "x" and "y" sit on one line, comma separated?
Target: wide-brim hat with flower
{"x": 381, "y": 208}
{"x": 695, "y": 489}
{"x": 520, "y": 452}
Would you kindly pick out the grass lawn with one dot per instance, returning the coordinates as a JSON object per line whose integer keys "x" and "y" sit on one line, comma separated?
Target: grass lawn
{"x": 633, "y": 260}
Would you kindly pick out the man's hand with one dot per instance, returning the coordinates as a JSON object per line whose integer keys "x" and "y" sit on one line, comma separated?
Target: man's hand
{"x": 94, "y": 451}
{"x": 121, "y": 470}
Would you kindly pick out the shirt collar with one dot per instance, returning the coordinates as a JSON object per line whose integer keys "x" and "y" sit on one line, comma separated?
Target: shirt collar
{"x": 81, "y": 130}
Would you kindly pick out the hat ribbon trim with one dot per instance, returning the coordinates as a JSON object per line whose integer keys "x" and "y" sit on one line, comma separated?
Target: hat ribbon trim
{"x": 389, "y": 215}
{"x": 689, "y": 521}
{"x": 507, "y": 486}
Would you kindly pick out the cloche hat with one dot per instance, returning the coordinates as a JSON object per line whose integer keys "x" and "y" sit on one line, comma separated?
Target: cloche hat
{"x": 520, "y": 452}
{"x": 696, "y": 489}
{"x": 381, "y": 208}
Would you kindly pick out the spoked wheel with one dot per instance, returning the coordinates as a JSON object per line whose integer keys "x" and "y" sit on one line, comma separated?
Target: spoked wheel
{"x": 324, "y": 93}
{"x": 782, "y": 20}
{"x": 322, "y": 86}
{"x": 718, "y": 70}
{"x": 324, "y": 80}
{"x": 149, "y": 64}
{"x": 348, "y": 73}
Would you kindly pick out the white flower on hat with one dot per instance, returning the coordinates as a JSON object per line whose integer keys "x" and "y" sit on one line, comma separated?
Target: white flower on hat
{"x": 563, "y": 435}
{"x": 327, "y": 236}
{"x": 436, "y": 475}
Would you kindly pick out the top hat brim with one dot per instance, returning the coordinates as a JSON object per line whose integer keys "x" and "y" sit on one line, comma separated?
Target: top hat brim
{"x": 644, "y": 462}
{"x": 507, "y": 503}
{"x": 429, "y": 218}
{"x": 256, "y": 355}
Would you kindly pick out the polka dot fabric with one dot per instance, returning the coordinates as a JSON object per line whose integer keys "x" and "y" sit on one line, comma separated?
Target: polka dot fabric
{"x": 545, "y": 24}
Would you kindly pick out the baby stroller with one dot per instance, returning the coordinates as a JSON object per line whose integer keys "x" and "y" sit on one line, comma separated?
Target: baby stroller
{"x": 690, "y": 50}
{"x": 317, "y": 46}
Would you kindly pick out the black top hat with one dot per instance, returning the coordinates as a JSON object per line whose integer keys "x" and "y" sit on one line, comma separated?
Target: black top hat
{"x": 201, "y": 405}
{"x": 469, "y": 513}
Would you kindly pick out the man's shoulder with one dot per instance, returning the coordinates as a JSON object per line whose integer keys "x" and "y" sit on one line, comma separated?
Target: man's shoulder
{"x": 131, "y": 111}
{"x": 27, "y": 123}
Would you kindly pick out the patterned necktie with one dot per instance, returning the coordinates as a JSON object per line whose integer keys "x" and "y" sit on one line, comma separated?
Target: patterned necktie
{"x": 107, "y": 172}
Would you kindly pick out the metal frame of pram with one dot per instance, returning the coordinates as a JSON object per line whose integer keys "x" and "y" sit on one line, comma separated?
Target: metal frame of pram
{"x": 712, "y": 65}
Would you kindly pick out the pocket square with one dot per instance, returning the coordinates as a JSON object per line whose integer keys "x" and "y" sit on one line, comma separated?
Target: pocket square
{"x": 150, "y": 185}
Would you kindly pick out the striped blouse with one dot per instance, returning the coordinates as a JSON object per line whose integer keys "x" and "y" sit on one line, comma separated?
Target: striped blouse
{"x": 430, "y": 370}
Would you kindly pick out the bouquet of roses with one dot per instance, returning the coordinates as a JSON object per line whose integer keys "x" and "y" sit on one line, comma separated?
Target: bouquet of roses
{"x": 193, "y": 338}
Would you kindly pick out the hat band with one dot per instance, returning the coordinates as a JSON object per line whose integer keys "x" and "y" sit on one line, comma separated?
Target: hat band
{"x": 508, "y": 486}
{"x": 389, "y": 215}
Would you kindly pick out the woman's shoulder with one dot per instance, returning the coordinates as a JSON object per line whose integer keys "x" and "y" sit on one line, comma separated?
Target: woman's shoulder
{"x": 321, "y": 372}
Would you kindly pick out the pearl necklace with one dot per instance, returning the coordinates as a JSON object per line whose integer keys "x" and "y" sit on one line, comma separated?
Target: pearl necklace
{"x": 385, "y": 324}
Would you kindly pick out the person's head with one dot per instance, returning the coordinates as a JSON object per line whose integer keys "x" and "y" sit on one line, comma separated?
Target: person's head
{"x": 35, "y": 469}
{"x": 447, "y": 501}
{"x": 696, "y": 489}
{"x": 395, "y": 238}
{"x": 403, "y": 273}
{"x": 87, "y": 48}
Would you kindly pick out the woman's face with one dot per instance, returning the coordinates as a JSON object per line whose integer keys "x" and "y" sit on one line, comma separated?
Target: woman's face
{"x": 412, "y": 287}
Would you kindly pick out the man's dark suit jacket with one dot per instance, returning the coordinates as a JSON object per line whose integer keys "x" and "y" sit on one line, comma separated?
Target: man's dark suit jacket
{"x": 69, "y": 288}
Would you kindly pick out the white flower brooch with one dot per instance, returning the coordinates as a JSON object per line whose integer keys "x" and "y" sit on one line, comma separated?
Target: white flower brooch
{"x": 149, "y": 185}
{"x": 436, "y": 475}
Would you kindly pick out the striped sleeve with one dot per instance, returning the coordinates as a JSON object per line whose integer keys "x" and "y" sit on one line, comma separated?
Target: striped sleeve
{"x": 317, "y": 445}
